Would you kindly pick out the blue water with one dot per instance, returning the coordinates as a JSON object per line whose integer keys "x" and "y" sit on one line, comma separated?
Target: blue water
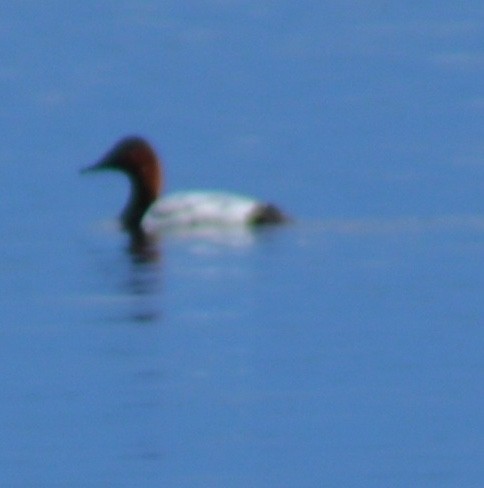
{"x": 342, "y": 350}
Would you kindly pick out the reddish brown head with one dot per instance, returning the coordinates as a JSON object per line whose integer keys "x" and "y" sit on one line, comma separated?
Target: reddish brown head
{"x": 135, "y": 157}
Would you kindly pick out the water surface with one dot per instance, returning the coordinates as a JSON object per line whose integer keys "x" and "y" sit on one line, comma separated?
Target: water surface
{"x": 342, "y": 350}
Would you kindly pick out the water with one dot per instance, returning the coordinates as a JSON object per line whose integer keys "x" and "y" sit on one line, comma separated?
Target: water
{"x": 342, "y": 350}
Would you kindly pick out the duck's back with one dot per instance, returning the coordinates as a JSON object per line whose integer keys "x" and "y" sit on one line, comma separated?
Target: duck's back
{"x": 210, "y": 208}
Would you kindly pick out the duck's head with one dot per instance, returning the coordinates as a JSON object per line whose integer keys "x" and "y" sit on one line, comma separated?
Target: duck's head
{"x": 135, "y": 157}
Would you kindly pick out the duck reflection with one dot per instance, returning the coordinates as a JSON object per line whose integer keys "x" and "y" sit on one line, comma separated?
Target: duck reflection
{"x": 143, "y": 248}
{"x": 142, "y": 282}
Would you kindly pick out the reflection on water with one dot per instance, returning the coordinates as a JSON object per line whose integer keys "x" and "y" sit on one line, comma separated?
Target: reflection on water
{"x": 148, "y": 247}
{"x": 143, "y": 283}
{"x": 144, "y": 278}
{"x": 144, "y": 248}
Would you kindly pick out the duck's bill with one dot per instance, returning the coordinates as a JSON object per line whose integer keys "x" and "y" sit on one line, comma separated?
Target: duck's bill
{"x": 100, "y": 165}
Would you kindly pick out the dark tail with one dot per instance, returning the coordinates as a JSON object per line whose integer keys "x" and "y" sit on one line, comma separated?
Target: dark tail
{"x": 269, "y": 214}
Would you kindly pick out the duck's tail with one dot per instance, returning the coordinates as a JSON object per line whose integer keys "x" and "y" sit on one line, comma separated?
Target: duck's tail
{"x": 269, "y": 214}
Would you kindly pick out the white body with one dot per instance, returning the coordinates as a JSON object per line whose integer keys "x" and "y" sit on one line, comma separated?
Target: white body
{"x": 199, "y": 208}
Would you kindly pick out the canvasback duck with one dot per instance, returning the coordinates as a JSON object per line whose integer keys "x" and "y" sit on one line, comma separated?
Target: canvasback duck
{"x": 147, "y": 212}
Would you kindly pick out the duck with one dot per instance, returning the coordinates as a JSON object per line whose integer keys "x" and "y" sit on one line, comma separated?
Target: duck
{"x": 148, "y": 211}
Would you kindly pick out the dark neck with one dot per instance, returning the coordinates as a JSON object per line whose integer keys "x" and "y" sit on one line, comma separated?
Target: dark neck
{"x": 140, "y": 200}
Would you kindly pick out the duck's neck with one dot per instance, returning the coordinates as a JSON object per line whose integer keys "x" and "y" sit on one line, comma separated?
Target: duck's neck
{"x": 142, "y": 196}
